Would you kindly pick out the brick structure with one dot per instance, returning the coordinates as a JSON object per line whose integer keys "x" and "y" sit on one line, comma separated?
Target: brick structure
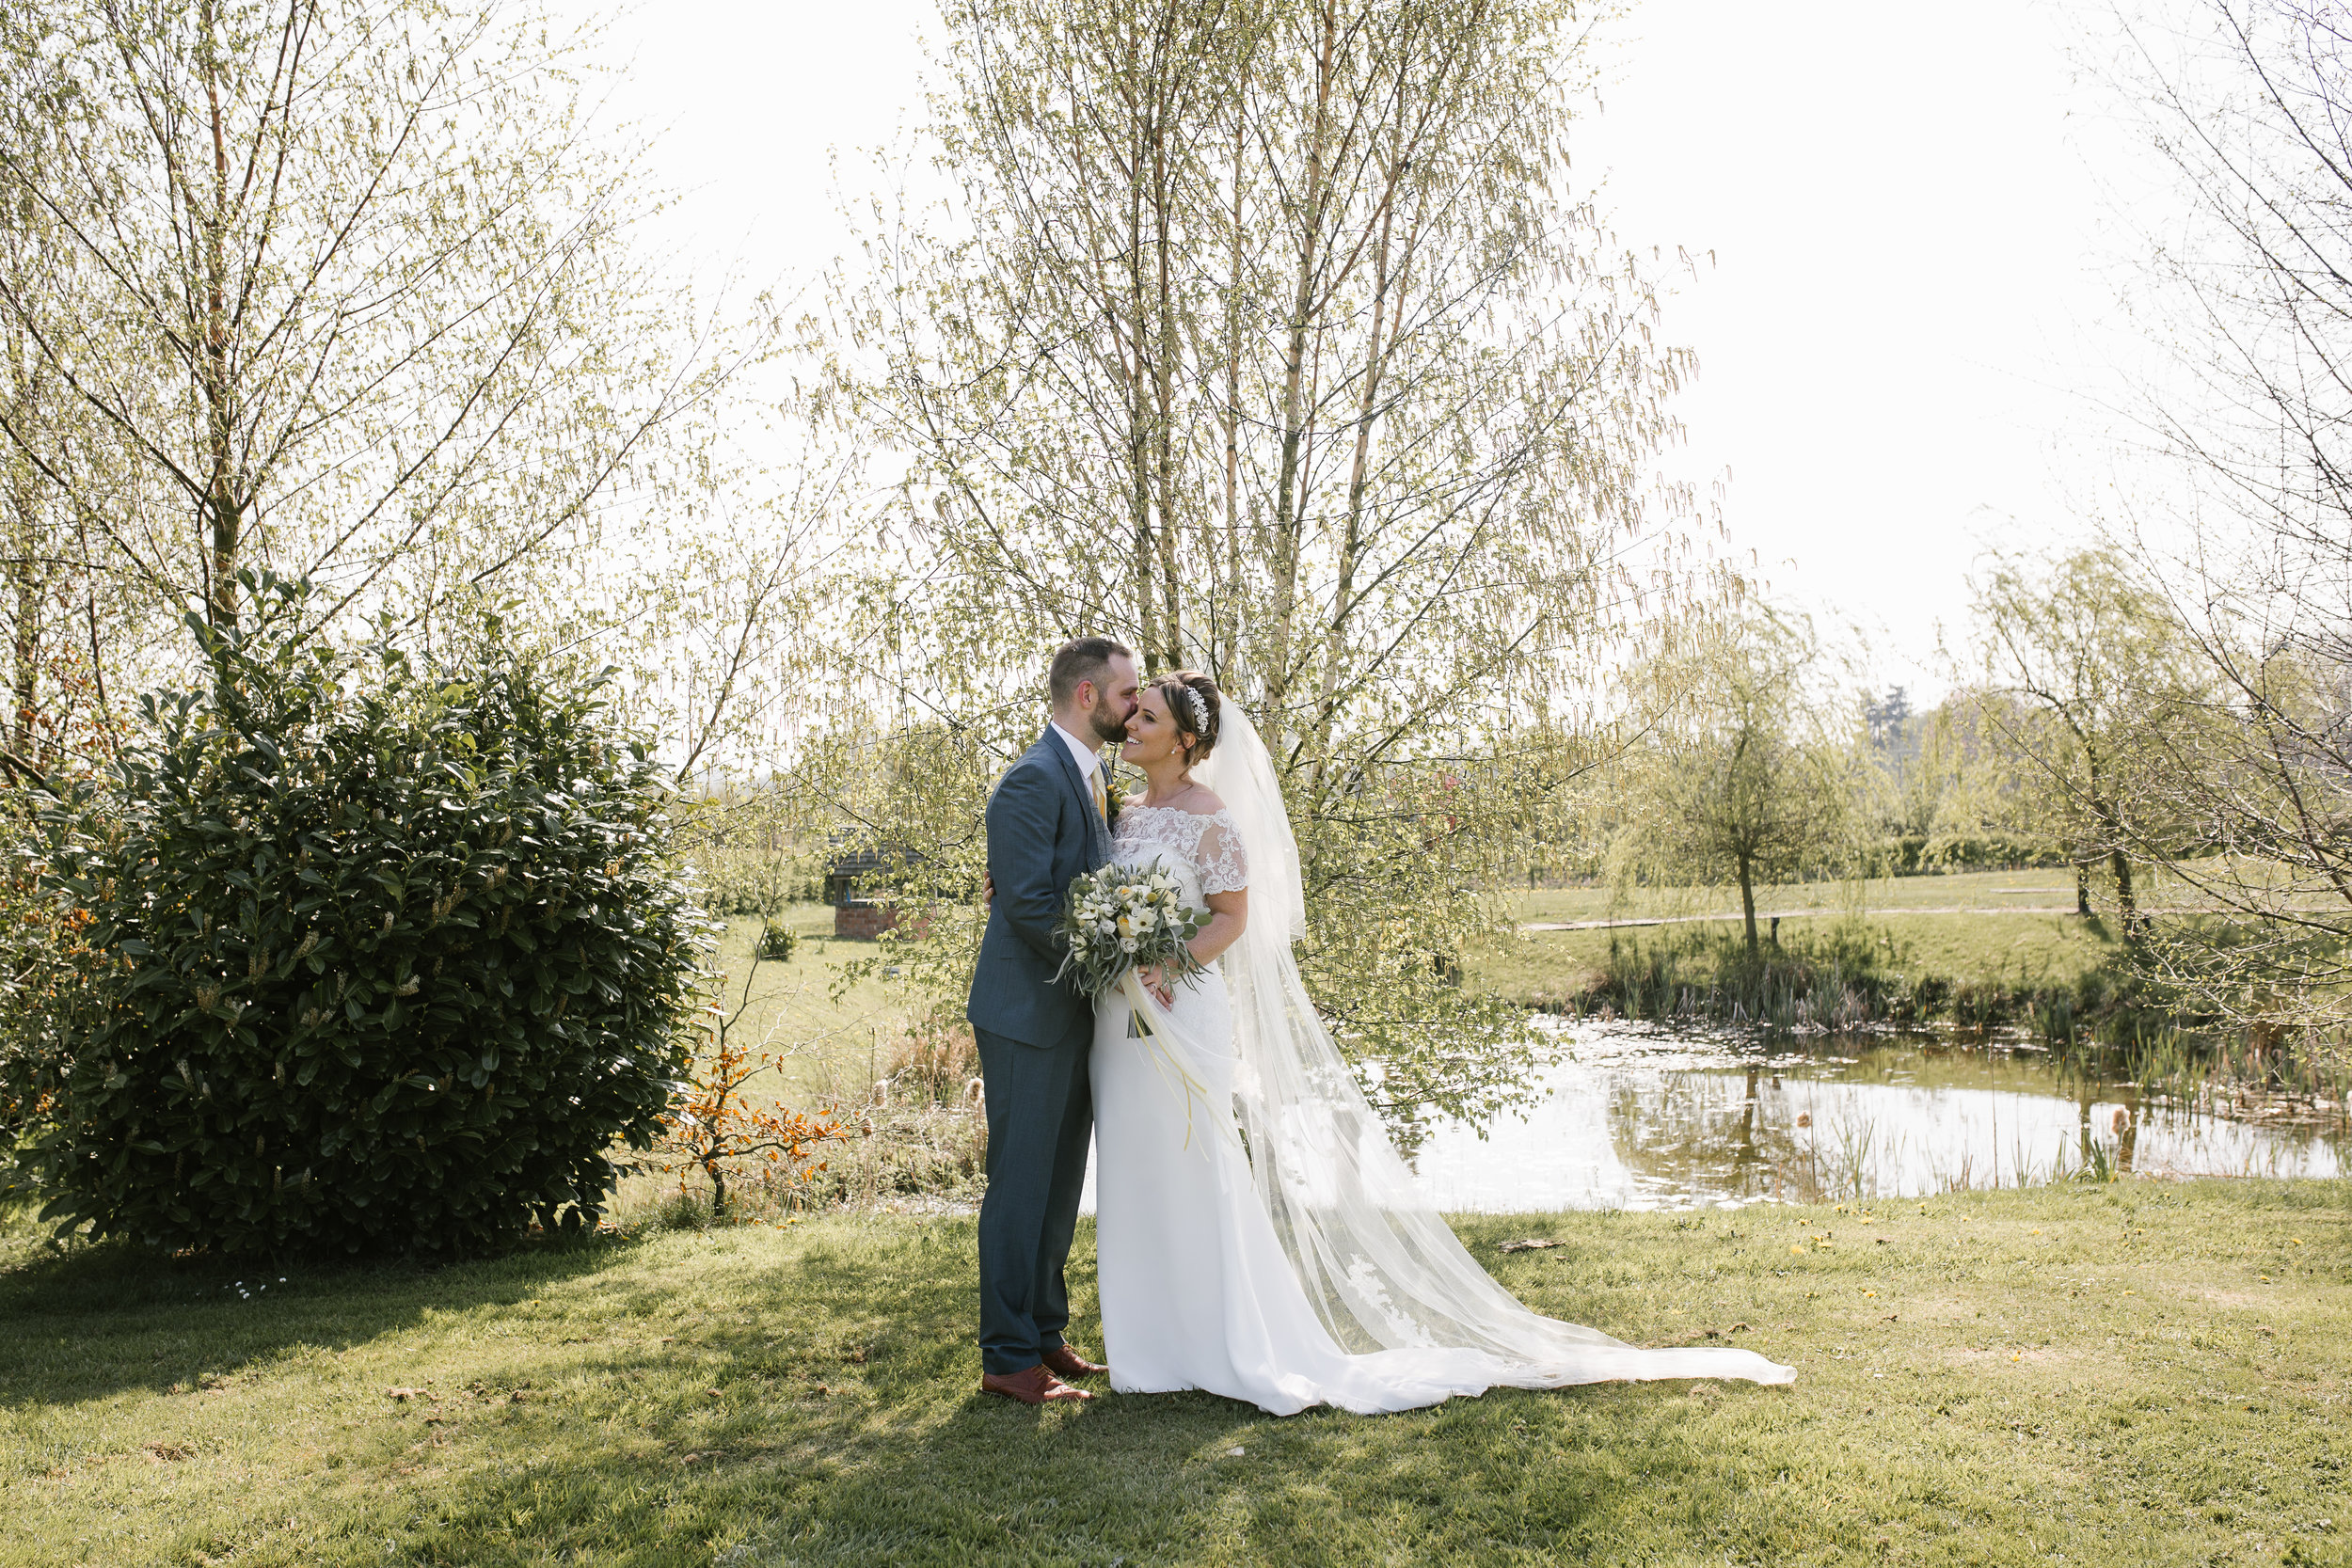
{"x": 862, "y": 920}
{"x": 862, "y": 912}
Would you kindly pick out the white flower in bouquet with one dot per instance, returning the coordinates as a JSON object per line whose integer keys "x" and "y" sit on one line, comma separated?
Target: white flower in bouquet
{"x": 1116, "y": 919}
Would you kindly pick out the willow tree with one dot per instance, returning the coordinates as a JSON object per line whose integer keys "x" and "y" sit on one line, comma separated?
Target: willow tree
{"x": 2100, "y": 673}
{"x": 1268, "y": 334}
{"x": 351, "y": 297}
{"x": 1746, "y": 777}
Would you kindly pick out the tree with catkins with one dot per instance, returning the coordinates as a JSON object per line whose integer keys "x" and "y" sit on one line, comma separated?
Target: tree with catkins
{"x": 1269, "y": 336}
{"x": 337, "y": 287}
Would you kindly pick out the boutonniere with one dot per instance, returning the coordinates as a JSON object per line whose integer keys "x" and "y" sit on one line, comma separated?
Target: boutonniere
{"x": 1114, "y": 796}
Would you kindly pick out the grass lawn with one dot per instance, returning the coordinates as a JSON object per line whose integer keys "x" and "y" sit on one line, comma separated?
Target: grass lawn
{"x": 2127, "y": 1374}
{"x": 835, "y": 1047}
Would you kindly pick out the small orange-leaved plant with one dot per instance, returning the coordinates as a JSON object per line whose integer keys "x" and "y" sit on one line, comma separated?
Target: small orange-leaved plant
{"x": 712, "y": 1127}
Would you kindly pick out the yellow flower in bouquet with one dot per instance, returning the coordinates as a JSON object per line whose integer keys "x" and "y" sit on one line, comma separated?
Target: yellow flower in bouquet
{"x": 1116, "y": 919}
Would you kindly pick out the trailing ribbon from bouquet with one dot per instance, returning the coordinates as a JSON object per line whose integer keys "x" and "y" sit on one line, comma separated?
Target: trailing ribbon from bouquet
{"x": 1167, "y": 1057}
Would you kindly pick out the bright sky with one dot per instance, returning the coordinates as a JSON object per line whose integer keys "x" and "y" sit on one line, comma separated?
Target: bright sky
{"x": 1901, "y": 331}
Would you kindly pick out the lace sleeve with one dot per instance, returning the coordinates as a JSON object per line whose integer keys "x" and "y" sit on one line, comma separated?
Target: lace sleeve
{"x": 1224, "y": 869}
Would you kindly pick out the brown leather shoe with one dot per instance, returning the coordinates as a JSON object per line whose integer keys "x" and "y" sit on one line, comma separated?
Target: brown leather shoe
{"x": 1030, "y": 1385}
{"x": 1065, "y": 1361}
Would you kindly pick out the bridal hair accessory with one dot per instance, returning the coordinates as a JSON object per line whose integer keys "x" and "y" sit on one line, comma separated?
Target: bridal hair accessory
{"x": 1198, "y": 704}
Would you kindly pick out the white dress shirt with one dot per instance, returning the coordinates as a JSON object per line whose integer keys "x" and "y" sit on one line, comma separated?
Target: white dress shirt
{"x": 1090, "y": 761}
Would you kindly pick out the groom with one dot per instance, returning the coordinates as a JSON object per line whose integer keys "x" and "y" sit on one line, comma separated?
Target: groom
{"x": 1048, "y": 822}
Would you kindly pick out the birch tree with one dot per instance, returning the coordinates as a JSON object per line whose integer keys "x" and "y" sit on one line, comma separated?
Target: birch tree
{"x": 1269, "y": 336}
{"x": 66, "y": 621}
{"x": 353, "y": 298}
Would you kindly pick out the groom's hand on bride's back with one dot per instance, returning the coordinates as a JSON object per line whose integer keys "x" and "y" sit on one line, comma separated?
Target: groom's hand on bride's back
{"x": 988, "y": 888}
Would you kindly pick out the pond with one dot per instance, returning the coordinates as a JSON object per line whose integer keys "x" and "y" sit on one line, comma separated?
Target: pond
{"x": 1643, "y": 1118}
{"x": 1640, "y": 1118}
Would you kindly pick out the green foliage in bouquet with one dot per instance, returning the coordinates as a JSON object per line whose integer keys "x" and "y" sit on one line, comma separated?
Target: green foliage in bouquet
{"x": 381, "y": 958}
{"x": 1119, "y": 918}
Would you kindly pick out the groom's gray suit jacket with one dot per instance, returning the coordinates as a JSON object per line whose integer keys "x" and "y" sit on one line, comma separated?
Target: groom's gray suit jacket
{"x": 1043, "y": 833}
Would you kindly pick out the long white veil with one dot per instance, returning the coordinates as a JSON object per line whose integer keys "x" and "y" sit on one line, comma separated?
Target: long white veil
{"x": 1379, "y": 1264}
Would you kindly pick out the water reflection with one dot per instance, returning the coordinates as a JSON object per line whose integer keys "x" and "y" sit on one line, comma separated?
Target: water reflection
{"x": 1643, "y": 1119}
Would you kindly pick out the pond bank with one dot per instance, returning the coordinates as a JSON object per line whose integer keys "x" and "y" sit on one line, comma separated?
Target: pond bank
{"x": 2056, "y": 981}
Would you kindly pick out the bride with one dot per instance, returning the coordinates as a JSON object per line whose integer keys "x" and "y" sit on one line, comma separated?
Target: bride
{"x": 1256, "y": 1235}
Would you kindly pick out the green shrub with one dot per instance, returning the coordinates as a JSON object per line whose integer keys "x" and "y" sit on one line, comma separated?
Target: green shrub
{"x": 381, "y": 958}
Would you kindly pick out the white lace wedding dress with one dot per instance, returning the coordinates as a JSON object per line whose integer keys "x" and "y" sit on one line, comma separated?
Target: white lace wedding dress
{"x": 1256, "y": 1235}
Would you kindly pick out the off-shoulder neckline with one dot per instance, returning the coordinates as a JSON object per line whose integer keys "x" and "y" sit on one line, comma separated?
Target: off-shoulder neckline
{"x": 1178, "y": 811}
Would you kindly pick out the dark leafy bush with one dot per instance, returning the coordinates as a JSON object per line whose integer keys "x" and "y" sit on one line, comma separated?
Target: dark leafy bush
{"x": 380, "y": 959}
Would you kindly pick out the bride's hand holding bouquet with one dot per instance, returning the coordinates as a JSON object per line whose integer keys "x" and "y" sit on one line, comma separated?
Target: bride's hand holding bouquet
{"x": 1122, "y": 922}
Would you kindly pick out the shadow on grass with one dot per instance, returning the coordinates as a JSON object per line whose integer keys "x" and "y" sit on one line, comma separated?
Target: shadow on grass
{"x": 849, "y": 1428}
{"x": 97, "y": 1320}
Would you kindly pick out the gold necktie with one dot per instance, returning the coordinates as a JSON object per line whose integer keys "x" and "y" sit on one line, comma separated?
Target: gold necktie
{"x": 1101, "y": 805}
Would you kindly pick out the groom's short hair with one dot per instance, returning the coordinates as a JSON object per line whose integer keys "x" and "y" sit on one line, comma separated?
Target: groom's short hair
{"x": 1079, "y": 660}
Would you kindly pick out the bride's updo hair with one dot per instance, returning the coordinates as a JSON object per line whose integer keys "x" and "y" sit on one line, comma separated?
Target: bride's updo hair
{"x": 1198, "y": 707}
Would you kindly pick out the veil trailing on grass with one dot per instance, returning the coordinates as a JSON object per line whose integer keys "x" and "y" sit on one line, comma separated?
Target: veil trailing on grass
{"x": 1379, "y": 1265}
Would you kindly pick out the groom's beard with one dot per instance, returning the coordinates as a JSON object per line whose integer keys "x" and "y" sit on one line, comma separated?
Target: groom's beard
{"x": 1108, "y": 729}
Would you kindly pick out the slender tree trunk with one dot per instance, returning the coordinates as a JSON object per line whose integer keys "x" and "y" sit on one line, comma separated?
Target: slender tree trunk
{"x": 1747, "y": 905}
{"x": 1367, "y": 415}
{"x": 26, "y": 640}
{"x": 1139, "y": 366}
{"x": 25, "y": 569}
{"x": 1164, "y": 394}
{"x": 223, "y": 504}
{"x": 2106, "y": 810}
{"x": 2082, "y": 889}
{"x": 1288, "y": 503}
{"x": 1229, "y": 650}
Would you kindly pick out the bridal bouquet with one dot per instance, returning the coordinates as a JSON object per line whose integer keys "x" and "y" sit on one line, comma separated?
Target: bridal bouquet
{"x": 1123, "y": 918}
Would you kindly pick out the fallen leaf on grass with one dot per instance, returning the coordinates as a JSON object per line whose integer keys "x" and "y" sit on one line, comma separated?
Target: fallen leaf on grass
{"x": 406, "y": 1393}
{"x": 171, "y": 1451}
{"x": 1531, "y": 1245}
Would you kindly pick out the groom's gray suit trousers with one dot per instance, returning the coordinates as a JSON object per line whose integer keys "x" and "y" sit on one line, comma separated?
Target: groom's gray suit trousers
{"x": 1041, "y": 1114}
